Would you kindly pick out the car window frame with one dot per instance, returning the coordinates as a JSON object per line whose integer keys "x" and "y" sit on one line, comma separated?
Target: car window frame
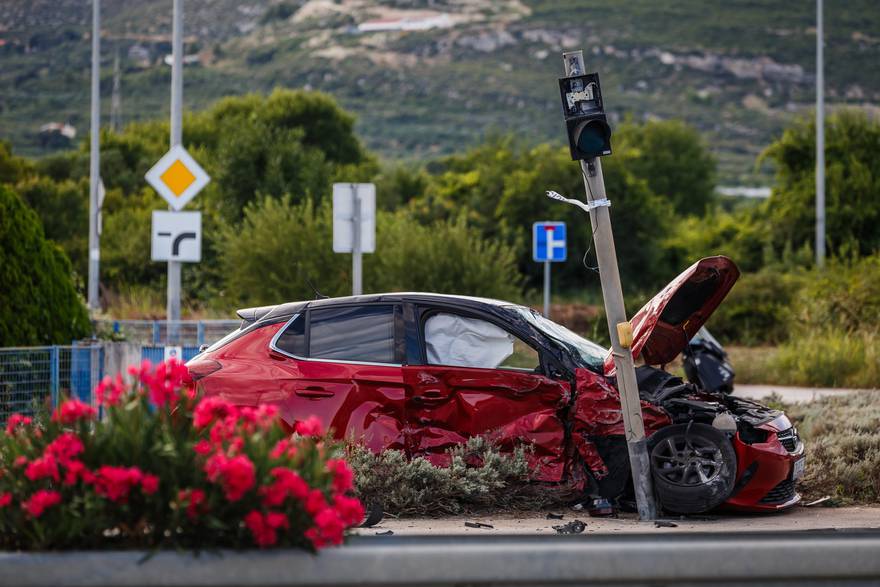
{"x": 425, "y": 312}
{"x": 397, "y": 325}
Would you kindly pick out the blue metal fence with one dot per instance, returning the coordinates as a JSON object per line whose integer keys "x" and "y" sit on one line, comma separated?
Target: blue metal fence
{"x": 160, "y": 332}
{"x": 156, "y": 354}
{"x": 32, "y": 377}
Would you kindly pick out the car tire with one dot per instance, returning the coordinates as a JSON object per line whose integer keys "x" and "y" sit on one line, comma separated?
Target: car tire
{"x": 693, "y": 467}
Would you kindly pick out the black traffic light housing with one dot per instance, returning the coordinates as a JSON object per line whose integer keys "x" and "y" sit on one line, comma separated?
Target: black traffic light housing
{"x": 589, "y": 135}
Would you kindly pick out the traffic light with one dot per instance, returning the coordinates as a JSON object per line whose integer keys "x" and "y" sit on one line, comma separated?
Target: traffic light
{"x": 588, "y": 132}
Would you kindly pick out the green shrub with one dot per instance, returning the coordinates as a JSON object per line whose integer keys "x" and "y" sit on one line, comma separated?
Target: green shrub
{"x": 842, "y": 437}
{"x": 444, "y": 257}
{"x": 268, "y": 258}
{"x": 844, "y": 296}
{"x": 40, "y": 304}
{"x": 479, "y": 477}
{"x": 757, "y": 310}
{"x": 829, "y": 358}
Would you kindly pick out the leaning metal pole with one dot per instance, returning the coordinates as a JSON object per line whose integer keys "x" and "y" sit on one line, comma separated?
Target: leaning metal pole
{"x": 95, "y": 162}
{"x": 612, "y": 294}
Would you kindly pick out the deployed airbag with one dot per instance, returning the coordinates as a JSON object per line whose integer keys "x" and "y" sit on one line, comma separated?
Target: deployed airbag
{"x": 466, "y": 342}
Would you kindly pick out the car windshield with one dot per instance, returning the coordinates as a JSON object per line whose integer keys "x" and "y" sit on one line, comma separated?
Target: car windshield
{"x": 590, "y": 354}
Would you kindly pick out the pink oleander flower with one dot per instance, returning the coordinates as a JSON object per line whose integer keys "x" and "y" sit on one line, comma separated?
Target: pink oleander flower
{"x": 40, "y": 502}
{"x": 15, "y": 422}
{"x": 72, "y": 411}
{"x": 311, "y": 426}
{"x": 236, "y": 475}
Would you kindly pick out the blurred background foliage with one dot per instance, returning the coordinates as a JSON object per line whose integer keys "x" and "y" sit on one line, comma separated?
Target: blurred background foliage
{"x": 461, "y": 223}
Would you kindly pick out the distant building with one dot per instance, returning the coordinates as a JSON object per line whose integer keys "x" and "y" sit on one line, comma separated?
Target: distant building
{"x": 139, "y": 55}
{"x": 748, "y": 192}
{"x": 56, "y": 134}
{"x": 194, "y": 59}
{"x": 408, "y": 23}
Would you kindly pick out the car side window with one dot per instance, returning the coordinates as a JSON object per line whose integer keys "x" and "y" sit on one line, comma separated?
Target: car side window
{"x": 463, "y": 341}
{"x": 293, "y": 339}
{"x": 352, "y": 333}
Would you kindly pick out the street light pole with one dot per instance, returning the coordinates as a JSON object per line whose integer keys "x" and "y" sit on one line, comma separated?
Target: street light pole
{"x": 95, "y": 162}
{"x": 619, "y": 327}
{"x": 173, "y": 302}
{"x": 820, "y": 137}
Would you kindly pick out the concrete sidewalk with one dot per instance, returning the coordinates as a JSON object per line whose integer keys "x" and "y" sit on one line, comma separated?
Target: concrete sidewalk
{"x": 789, "y": 394}
{"x": 796, "y": 519}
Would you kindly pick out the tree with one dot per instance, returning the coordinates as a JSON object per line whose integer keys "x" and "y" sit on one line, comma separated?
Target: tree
{"x": 852, "y": 208}
{"x": 281, "y": 245}
{"x": 40, "y": 304}
{"x": 674, "y": 161}
{"x": 499, "y": 188}
{"x": 63, "y": 209}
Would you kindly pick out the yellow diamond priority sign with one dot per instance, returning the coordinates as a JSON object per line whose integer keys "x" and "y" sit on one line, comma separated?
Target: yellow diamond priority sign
{"x": 177, "y": 177}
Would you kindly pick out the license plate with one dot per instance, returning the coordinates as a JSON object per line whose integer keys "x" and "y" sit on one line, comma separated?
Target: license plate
{"x": 798, "y": 469}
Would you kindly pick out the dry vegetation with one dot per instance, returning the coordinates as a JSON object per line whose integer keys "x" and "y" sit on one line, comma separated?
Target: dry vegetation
{"x": 842, "y": 436}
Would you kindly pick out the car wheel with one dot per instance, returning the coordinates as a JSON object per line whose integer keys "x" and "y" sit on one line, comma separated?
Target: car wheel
{"x": 693, "y": 466}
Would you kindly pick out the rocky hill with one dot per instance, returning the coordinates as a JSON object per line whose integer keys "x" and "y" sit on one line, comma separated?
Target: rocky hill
{"x": 427, "y": 77}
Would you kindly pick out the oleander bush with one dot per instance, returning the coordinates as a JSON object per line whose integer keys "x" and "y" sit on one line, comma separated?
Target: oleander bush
{"x": 163, "y": 469}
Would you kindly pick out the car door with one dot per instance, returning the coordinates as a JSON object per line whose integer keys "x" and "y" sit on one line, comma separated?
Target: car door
{"x": 342, "y": 363}
{"x": 476, "y": 378}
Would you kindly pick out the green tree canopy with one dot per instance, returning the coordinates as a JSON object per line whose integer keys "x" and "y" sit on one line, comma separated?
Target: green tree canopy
{"x": 674, "y": 161}
{"x": 40, "y": 304}
{"x": 281, "y": 245}
{"x": 852, "y": 206}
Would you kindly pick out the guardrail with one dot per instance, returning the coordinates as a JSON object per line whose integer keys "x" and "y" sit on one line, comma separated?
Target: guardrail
{"x": 771, "y": 558}
{"x": 162, "y": 332}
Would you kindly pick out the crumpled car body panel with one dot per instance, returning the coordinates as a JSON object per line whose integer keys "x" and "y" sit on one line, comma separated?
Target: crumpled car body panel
{"x": 448, "y": 405}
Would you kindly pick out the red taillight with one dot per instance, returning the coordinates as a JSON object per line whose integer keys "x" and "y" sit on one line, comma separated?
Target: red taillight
{"x": 202, "y": 368}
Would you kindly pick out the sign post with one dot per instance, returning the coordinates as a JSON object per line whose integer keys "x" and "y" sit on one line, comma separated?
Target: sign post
{"x": 354, "y": 226}
{"x": 589, "y": 139}
{"x": 548, "y": 246}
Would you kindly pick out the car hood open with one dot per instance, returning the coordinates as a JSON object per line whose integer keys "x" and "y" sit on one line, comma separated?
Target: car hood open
{"x": 663, "y": 327}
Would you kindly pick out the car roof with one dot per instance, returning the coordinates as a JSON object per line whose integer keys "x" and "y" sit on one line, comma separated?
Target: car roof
{"x": 290, "y": 308}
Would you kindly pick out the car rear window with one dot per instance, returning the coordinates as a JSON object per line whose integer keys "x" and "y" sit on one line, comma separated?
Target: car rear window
{"x": 293, "y": 339}
{"x": 354, "y": 333}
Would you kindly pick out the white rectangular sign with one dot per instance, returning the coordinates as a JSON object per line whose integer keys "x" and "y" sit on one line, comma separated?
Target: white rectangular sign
{"x": 177, "y": 236}
{"x": 343, "y": 216}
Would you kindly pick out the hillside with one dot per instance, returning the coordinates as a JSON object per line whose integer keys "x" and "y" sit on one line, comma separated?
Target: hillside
{"x": 737, "y": 70}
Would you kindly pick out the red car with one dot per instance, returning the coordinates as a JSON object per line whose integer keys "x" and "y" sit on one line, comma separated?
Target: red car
{"x": 421, "y": 372}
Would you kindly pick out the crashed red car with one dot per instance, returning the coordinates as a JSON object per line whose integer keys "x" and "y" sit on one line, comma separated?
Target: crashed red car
{"x": 422, "y": 372}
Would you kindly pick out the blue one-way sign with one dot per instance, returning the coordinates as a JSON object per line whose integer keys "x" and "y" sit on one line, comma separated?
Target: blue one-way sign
{"x": 548, "y": 241}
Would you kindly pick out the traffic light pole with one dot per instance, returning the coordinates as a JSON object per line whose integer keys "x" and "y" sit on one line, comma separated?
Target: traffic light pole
{"x": 612, "y": 294}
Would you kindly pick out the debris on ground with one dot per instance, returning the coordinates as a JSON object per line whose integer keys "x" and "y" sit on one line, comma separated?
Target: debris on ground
{"x": 374, "y": 516}
{"x": 552, "y": 516}
{"x": 601, "y": 508}
{"x": 385, "y": 533}
{"x": 573, "y": 527}
{"x": 820, "y": 501}
{"x": 478, "y": 525}
{"x": 664, "y": 524}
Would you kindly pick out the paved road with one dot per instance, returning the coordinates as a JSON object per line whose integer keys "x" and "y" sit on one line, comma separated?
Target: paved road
{"x": 799, "y": 518}
{"x": 788, "y": 393}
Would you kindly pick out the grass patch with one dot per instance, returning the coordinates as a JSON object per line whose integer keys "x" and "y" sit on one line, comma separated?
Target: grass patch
{"x": 479, "y": 478}
{"x": 842, "y": 437}
{"x": 826, "y": 358}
